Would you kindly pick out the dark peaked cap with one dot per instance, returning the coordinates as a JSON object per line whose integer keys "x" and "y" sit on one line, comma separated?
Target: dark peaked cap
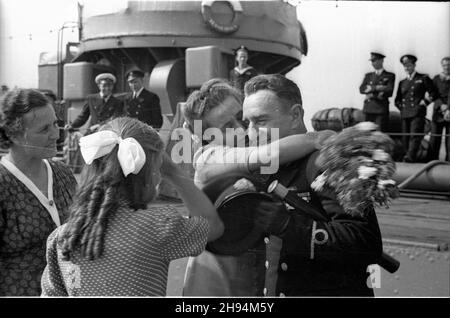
{"x": 376, "y": 56}
{"x": 408, "y": 58}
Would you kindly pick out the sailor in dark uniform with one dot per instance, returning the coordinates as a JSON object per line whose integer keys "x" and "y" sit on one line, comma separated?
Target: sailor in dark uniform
{"x": 242, "y": 72}
{"x": 141, "y": 103}
{"x": 100, "y": 107}
{"x": 378, "y": 86}
{"x": 441, "y": 108}
{"x": 412, "y": 103}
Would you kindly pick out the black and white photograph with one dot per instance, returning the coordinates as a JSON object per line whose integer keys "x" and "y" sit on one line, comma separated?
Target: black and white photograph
{"x": 224, "y": 154}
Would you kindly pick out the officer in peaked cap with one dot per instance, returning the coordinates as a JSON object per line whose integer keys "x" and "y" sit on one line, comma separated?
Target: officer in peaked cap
{"x": 378, "y": 86}
{"x": 412, "y": 103}
{"x": 141, "y": 103}
{"x": 105, "y": 77}
{"x": 408, "y": 58}
{"x": 100, "y": 107}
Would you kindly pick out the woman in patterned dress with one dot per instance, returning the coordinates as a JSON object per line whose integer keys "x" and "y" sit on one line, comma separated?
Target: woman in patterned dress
{"x": 114, "y": 243}
{"x": 35, "y": 192}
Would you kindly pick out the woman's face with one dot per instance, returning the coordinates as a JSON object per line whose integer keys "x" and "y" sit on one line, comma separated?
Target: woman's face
{"x": 153, "y": 179}
{"x": 242, "y": 57}
{"x": 40, "y": 133}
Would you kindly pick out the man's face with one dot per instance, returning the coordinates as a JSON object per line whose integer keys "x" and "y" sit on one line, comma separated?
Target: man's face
{"x": 377, "y": 63}
{"x": 446, "y": 66}
{"x": 136, "y": 84}
{"x": 224, "y": 116}
{"x": 105, "y": 87}
{"x": 409, "y": 67}
{"x": 264, "y": 111}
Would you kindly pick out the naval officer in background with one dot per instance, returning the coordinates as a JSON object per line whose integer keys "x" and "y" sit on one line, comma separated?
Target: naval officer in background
{"x": 412, "y": 102}
{"x": 141, "y": 103}
{"x": 378, "y": 86}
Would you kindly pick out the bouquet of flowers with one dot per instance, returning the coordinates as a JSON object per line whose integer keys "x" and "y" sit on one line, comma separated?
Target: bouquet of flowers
{"x": 358, "y": 167}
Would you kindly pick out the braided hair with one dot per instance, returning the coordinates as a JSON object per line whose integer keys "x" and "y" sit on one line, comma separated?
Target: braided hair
{"x": 103, "y": 187}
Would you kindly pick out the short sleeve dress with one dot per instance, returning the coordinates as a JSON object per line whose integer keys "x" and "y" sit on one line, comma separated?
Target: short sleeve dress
{"x": 138, "y": 248}
{"x": 25, "y": 225}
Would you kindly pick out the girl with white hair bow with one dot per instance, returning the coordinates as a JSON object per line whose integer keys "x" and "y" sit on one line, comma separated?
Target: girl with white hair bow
{"x": 114, "y": 243}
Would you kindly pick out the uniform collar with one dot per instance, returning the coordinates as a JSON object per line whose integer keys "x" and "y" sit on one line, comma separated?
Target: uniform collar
{"x": 137, "y": 93}
{"x": 106, "y": 98}
{"x": 237, "y": 69}
{"x": 379, "y": 72}
{"x": 410, "y": 77}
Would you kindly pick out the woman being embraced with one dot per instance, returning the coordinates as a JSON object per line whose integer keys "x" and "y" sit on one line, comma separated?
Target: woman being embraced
{"x": 113, "y": 243}
{"x": 35, "y": 192}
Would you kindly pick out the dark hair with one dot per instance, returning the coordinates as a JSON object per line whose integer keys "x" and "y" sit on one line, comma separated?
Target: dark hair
{"x": 241, "y": 48}
{"x": 104, "y": 186}
{"x": 14, "y": 104}
{"x": 283, "y": 87}
{"x": 210, "y": 95}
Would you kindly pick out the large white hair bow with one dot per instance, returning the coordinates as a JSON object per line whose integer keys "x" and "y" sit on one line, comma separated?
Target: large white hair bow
{"x": 130, "y": 154}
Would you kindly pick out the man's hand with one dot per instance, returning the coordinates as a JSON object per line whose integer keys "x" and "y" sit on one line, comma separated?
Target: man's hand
{"x": 272, "y": 217}
{"x": 368, "y": 89}
{"x": 423, "y": 103}
{"x": 323, "y": 136}
{"x": 444, "y": 107}
{"x": 69, "y": 128}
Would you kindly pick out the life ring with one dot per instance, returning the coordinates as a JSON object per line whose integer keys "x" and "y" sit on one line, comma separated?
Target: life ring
{"x": 222, "y": 28}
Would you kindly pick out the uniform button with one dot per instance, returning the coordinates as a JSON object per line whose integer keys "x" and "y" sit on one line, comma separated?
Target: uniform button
{"x": 284, "y": 266}
{"x": 267, "y": 264}
{"x": 139, "y": 106}
{"x": 266, "y": 240}
{"x": 50, "y": 202}
{"x": 265, "y": 291}
{"x": 282, "y": 295}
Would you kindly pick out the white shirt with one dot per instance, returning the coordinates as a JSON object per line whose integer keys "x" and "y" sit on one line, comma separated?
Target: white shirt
{"x": 136, "y": 94}
{"x": 378, "y": 72}
{"x": 410, "y": 77}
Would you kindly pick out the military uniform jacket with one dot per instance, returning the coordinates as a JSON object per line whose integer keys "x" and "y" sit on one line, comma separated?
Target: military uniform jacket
{"x": 145, "y": 107}
{"x": 377, "y": 99}
{"x": 323, "y": 258}
{"x": 410, "y": 99}
{"x": 442, "y": 85}
{"x": 98, "y": 110}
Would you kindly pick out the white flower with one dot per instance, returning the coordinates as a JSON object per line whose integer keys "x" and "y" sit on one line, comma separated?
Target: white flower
{"x": 319, "y": 182}
{"x": 380, "y": 155}
{"x": 365, "y": 172}
{"x": 382, "y": 183}
{"x": 366, "y": 126}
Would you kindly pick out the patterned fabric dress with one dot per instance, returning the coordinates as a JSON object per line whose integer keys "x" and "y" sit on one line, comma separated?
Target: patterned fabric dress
{"x": 138, "y": 248}
{"x": 24, "y": 227}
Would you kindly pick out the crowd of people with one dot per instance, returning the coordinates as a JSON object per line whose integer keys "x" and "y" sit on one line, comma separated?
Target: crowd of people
{"x": 414, "y": 93}
{"x": 105, "y": 237}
